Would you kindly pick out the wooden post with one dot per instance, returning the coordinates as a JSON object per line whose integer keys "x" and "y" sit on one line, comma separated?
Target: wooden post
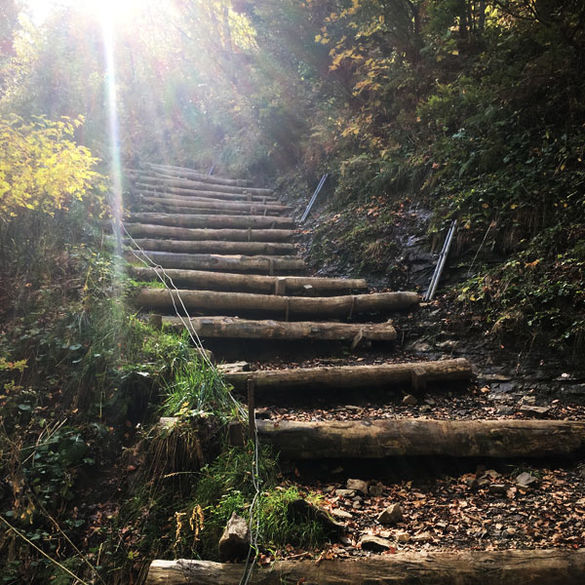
{"x": 280, "y": 286}
{"x": 155, "y": 321}
{"x": 419, "y": 379}
{"x": 251, "y": 410}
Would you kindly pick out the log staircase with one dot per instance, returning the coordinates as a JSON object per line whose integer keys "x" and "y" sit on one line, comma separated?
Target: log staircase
{"x": 229, "y": 248}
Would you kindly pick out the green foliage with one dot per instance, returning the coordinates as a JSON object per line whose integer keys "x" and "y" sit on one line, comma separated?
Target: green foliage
{"x": 226, "y": 486}
{"x": 197, "y": 388}
{"x": 280, "y": 525}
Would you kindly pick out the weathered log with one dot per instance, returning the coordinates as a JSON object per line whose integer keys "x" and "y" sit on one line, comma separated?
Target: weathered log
{"x": 235, "y": 263}
{"x": 510, "y": 567}
{"x": 162, "y": 207}
{"x": 219, "y": 247}
{"x": 206, "y": 301}
{"x": 333, "y": 377}
{"x": 418, "y": 437}
{"x": 234, "y": 328}
{"x": 179, "y": 233}
{"x": 201, "y": 193}
{"x": 213, "y": 221}
{"x": 178, "y": 171}
{"x": 192, "y": 184}
{"x": 253, "y": 282}
{"x": 201, "y": 203}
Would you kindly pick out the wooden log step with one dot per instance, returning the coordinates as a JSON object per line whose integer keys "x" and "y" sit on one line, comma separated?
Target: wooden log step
{"x": 235, "y": 328}
{"x": 253, "y": 282}
{"x": 374, "y": 439}
{"x": 201, "y": 193}
{"x": 203, "y": 209}
{"x": 344, "y": 306}
{"x": 179, "y": 233}
{"x": 213, "y": 221}
{"x": 178, "y": 171}
{"x": 204, "y": 186}
{"x": 509, "y": 567}
{"x": 219, "y": 247}
{"x": 235, "y": 263}
{"x": 201, "y": 203}
{"x": 334, "y": 377}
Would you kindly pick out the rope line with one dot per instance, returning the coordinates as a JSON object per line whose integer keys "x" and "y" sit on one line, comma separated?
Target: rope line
{"x": 167, "y": 281}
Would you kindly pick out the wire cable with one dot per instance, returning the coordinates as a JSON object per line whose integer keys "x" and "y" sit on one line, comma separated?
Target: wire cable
{"x": 167, "y": 281}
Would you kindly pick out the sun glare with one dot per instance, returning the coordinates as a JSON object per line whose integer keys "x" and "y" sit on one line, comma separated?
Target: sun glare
{"x": 119, "y": 12}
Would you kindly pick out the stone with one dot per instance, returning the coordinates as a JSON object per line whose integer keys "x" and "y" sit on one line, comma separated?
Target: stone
{"x": 341, "y": 514}
{"x": 420, "y": 346}
{"x": 422, "y": 537}
{"x": 342, "y": 493}
{"x": 534, "y": 410}
{"x": 391, "y": 515}
{"x": 409, "y": 400}
{"x": 376, "y": 489}
{"x": 235, "y": 540}
{"x": 359, "y": 485}
{"x": 447, "y": 344}
{"x": 402, "y": 536}
{"x": 374, "y": 543}
{"x": 525, "y": 480}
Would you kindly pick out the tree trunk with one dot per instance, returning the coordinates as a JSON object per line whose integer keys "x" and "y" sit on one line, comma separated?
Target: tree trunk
{"x": 235, "y": 302}
{"x": 218, "y": 247}
{"x": 202, "y": 203}
{"x": 252, "y": 282}
{"x": 334, "y": 377}
{"x": 420, "y": 437}
{"x": 512, "y": 567}
{"x": 234, "y": 328}
{"x": 235, "y": 263}
{"x": 247, "y": 235}
{"x": 213, "y": 221}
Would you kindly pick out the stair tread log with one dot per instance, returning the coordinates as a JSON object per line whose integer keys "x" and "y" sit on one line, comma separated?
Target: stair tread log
{"x": 235, "y": 328}
{"x": 154, "y": 207}
{"x": 174, "y": 170}
{"x": 202, "y": 203}
{"x": 169, "y": 171}
{"x": 354, "y": 376}
{"x": 182, "y": 233}
{"x": 213, "y": 221}
{"x": 201, "y": 194}
{"x": 510, "y": 567}
{"x": 253, "y": 282}
{"x": 345, "y": 305}
{"x": 229, "y": 262}
{"x": 504, "y": 438}
{"x": 192, "y": 184}
{"x": 186, "y": 246}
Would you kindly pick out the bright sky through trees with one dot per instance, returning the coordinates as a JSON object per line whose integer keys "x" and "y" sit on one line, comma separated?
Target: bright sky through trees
{"x": 120, "y": 11}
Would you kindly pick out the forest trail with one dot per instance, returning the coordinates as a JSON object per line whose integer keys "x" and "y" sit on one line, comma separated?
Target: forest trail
{"x": 229, "y": 249}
